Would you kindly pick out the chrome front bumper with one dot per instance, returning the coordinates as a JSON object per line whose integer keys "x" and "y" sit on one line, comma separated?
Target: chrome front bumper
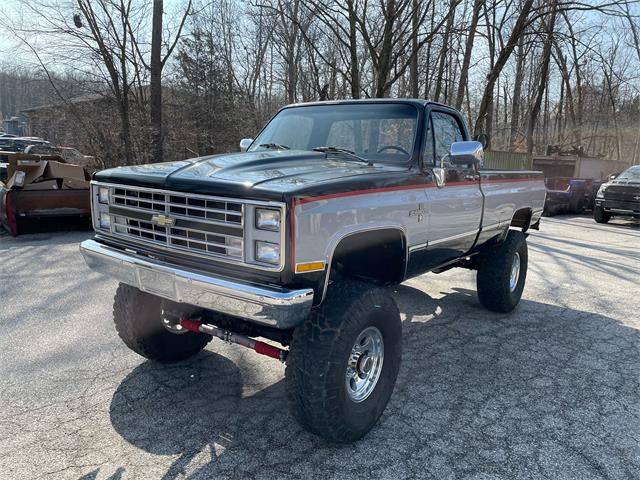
{"x": 279, "y": 308}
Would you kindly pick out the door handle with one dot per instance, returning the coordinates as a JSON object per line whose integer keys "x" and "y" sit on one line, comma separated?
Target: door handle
{"x": 472, "y": 177}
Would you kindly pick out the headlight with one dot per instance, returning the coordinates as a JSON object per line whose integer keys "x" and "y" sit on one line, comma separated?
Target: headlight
{"x": 103, "y": 195}
{"x": 601, "y": 190}
{"x": 267, "y": 219}
{"x": 105, "y": 220}
{"x": 268, "y": 252}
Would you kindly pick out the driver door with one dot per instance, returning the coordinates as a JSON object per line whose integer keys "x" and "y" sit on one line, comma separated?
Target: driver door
{"x": 455, "y": 209}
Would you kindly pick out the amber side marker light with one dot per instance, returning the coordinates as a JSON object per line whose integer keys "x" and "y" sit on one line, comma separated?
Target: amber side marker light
{"x": 309, "y": 267}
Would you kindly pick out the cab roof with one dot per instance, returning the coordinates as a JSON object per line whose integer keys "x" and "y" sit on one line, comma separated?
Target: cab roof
{"x": 407, "y": 101}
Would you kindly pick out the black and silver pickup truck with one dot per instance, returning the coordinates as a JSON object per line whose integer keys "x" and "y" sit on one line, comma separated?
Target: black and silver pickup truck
{"x": 619, "y": 197}
{"x": 285, "y": 248}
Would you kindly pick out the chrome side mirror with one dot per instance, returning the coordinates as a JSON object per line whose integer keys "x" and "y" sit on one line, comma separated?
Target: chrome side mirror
{"x": 245, "y": 143}
{"x": 466, "y": 153}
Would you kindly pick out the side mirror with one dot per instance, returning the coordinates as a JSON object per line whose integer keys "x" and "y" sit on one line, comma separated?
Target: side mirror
{"x": 245, "y": 143}
{"x": 483, "y": 138}
{"x": 613, "y": 176}
{"x": 466, "y": 153}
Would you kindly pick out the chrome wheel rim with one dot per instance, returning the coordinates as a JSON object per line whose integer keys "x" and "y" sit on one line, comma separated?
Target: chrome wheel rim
{"x": 365, "y": 364}
{"x": 515, "y": 272}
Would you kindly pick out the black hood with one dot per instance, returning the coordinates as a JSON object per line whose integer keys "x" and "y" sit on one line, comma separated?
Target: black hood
{"x": 260, "y": 175}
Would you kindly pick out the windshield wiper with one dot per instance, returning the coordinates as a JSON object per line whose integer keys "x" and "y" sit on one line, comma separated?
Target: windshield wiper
{"x": 274, "y": 146}
{"x": 343, "y": 151}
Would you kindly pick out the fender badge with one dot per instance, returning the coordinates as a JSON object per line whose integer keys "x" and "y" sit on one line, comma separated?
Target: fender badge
{"x": 418, "y": 212}
{"x": 163, "y": 221}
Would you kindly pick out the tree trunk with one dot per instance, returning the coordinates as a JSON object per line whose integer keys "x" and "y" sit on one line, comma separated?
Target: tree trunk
{"x": 466, "y": 61}
{"x": 445, "y": 49}
{"x": 564, "y": 71}
{"x": 353, "y": 50}
{"x": 504, "y": 55}
{"x": 383, "y": 65}
{"x": 517, "y": 94}
{"x": 413, "y": 72}
{"x": 544, "y": 75}
{"x": 156, "y": 83}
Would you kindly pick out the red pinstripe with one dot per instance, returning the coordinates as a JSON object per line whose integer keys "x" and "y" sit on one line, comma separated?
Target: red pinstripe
{"x": 302, "y": 201}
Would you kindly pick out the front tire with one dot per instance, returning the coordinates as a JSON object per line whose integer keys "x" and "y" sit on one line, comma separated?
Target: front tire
{"x": 502, "y": 274}
{"x": 343, "y": 362}
{"x": 138, "y": 319}
{"x": 600, "y": 216}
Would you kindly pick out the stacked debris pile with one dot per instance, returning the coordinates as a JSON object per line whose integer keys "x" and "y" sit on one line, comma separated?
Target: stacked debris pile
{"x": 41, "y": 186}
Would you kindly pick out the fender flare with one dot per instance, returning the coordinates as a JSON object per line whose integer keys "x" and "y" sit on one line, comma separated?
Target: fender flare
{"x": 528, "y": 211}
{"x": 337, "y": 239}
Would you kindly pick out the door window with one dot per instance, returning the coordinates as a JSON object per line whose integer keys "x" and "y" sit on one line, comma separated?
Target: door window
{"x": 428, "y": 156}
{"x": 446, "y": 131}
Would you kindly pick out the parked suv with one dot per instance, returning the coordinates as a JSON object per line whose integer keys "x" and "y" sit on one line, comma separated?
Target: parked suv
{"x": 294, "y": 240}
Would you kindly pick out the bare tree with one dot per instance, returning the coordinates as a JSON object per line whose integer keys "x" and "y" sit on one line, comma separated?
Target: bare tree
{"x": 548, "y": 27}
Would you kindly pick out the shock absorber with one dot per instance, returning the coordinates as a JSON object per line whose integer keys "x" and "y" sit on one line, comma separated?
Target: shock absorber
{"x": 196, "y": 325}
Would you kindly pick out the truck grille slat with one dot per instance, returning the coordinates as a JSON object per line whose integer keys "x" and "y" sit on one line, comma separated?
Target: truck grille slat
{"x": 194, "y": 223}
{"x": 207, "y": 221}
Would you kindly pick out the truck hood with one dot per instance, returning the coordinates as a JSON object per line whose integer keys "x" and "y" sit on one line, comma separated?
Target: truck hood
{"x": 249, "y": 175}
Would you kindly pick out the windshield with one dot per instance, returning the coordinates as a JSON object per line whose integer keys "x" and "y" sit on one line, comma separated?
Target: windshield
{"x": 632, "y": 174}
{"x": 376, "y": 132}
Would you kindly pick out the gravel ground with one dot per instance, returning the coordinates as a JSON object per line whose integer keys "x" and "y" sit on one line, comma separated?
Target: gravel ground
{"x": 550, "y": 391}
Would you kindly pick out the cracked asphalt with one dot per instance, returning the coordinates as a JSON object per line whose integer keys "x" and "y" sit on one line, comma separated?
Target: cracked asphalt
{"x": 549, "y": 391}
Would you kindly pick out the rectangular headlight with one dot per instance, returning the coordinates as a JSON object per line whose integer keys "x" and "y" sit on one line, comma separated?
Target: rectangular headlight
{"x": 103, "y": 195}
{"x": 267, "y": 252}
{"x": 268, "y": 219}
{"x": 105, "y": 220}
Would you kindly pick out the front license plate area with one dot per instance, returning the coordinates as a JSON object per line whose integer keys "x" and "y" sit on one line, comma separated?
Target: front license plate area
{"x": 158, "y": 283}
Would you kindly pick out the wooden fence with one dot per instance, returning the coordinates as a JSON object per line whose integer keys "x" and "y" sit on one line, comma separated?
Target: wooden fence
{"x": 507, "y": 160}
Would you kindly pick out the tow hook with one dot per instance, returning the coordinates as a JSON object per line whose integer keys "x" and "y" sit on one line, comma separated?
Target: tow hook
{"x": 195, "y": 325}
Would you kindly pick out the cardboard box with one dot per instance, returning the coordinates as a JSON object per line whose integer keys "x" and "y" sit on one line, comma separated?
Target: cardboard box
{"x": 23, "y": 172}
{"x": 63, "y": 170}
{"x": 43, "y": 185}
{"x": 75, "y": 184}
{"x": 17, "y": 179}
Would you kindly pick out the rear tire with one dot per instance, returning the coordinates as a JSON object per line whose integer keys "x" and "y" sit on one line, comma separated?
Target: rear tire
{"x": 336, "y": 383}
{"x": 138, "y": 319}
{"x": 502, "y": 273}
{"x": 600, "y": 216}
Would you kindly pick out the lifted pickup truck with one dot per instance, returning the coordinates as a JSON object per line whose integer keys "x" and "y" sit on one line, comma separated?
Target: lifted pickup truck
{"x": 293, "y": 240}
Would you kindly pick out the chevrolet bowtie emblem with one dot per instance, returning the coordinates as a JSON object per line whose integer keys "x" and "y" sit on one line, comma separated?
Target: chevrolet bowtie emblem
{"x": 163, "y": 221}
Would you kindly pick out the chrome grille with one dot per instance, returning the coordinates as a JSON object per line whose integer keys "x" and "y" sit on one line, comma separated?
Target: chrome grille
{"x": 194, "y": 223}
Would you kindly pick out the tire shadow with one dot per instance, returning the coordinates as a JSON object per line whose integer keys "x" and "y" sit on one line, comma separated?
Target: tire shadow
{"x": 543, "y": 391}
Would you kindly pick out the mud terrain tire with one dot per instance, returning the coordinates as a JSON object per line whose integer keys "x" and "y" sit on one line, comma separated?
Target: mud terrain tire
{"x": 138, "y": 319}
{"x": 320, "y": 394}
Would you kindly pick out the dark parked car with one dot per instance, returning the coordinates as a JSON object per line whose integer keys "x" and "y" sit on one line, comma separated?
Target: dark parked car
{"x": 620, "y": 196}
{"x": 19, "y": 144}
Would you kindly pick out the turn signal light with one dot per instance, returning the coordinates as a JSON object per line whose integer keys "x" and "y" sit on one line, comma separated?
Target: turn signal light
{"x": 309, "y": 267}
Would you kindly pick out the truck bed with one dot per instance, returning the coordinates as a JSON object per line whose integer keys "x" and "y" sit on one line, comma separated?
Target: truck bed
{"x": 17, "y": 206}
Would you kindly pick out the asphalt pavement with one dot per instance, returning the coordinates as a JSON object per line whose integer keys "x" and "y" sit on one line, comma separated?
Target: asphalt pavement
{"x": 550, "y": 391}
